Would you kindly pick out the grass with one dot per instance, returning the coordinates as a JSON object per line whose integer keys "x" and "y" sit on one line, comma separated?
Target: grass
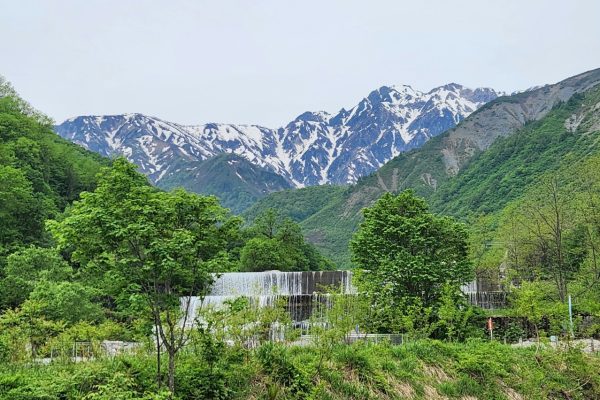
{"x": 419, "y": 370}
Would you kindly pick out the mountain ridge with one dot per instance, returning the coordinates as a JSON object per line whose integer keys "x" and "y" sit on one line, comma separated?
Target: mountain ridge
{"x": 431, "y": 169}
{"x": 314, "y": 148}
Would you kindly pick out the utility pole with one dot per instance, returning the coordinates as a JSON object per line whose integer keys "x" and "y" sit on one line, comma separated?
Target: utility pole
{"x": 571, "y": 318}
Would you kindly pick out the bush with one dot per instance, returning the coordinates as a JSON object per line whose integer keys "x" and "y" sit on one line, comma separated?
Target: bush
{"x": 275, "y": 361}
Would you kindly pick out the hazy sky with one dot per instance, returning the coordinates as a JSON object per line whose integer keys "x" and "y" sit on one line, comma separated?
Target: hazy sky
{"x": 265, "y": 62}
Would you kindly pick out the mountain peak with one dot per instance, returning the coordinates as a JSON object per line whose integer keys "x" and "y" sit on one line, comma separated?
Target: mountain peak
{"x": 314, "y": 148}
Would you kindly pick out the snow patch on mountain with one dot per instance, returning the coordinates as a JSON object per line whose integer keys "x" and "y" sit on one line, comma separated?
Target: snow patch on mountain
{"x": 315, "y": 148}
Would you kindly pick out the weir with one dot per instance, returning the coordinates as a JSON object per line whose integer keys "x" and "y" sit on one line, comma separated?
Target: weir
{"x": 303, "y": 291}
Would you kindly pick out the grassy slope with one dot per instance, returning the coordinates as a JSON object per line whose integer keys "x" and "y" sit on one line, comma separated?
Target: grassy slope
{"x": 421, "y": 370}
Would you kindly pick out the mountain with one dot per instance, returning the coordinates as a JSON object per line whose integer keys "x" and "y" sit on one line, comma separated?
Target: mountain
{"x": 480, "y": 165}
{"x": 316, "y": 148}
{"x": 236, "y": 181}
{"x": 319, "y": 148}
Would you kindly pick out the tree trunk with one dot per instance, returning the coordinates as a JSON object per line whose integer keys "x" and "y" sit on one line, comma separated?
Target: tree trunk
{"x": 171, "y": 372}
{"x": 158, "y": 377}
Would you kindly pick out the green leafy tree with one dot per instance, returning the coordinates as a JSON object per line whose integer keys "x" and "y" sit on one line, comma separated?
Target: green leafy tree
{"x": 277, "y": 243}
{"x": 261, "y": 254}
{"x": 40, "y": 173}
{"x": 25, "y": 268}
{"x": 456, "y": 316}
{"x": 69, "y": 302}
{"x": 164, "y": 244}
{"x": 21, "y": 211}
{"x": 408, "y": 254}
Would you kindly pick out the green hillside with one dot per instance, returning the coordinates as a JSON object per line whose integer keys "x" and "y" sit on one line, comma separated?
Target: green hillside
{"x": 234, "y": 180}
{"x": 40, "y": 173}
{"x": 299, "y": 204}
{"x": 570, "y": 132}
{"x": 459, "y": 172}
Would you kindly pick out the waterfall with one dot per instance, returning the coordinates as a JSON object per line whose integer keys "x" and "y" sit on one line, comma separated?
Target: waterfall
{"x": 302, "y": 290}
{"x": 280, "y": 283}
{"x": 485, "y": 293}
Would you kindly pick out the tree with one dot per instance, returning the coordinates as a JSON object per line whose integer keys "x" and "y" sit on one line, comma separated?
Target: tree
{"x": 408, "y": 254}
{"x": 164, "y": 244}
{"x": 69, "y": 302}
{"x": 277, "y": 243}
{"x": 25, "y": 268}
{"x": 261, "y": 254}
{"x": 21, "y": 211}
{"x": 546, "y": 235}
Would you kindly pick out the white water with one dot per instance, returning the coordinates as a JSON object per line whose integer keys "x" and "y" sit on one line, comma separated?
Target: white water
{"x": 302, "y": 289}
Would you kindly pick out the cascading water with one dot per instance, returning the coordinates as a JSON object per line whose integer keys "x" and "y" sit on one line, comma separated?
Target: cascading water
{"x": 485, "y": 294}
{"x": 303, "y": 291}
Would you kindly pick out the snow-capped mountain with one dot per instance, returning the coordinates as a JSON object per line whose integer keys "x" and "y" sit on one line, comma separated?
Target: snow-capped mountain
{"x": 315, "y": 148}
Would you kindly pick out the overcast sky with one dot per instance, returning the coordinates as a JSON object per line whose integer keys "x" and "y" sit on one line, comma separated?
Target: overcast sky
{"x": 265, "y": 62}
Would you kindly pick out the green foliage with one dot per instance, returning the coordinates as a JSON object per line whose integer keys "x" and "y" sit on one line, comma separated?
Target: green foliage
{"x": 485, "y": 184}
{"x": 243, "y": 323}
{"x": 407, "y": 254}
{"x": 234, "y": 180}
{"x": 69, "y": 302}
{"x": 297, "y": 204}
{"x": 277, "y": 243}
{"x": 419, "y": 370}
{"x": 275, "y": 361}
{"x": 504, "y": 171}
{"x": 262, "y": 254}
{"x": 456, "y": 319}
{"x": 25, "y": 268}
{"x": 40, "y": 173}
{"x": 165, "y": 245}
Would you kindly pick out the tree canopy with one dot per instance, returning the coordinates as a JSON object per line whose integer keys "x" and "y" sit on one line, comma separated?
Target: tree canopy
{"x": 407, "y": 254}
{"x": 162, "y": 244}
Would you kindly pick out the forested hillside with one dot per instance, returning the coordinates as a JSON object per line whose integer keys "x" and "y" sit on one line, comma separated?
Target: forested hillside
{"x": 482, "y": 164}
{"x": 40, "y": 173}
{"x": 236, "y": 181}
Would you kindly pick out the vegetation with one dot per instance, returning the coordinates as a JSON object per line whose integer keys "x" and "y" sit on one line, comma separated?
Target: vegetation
{"x": 513, "y": 164}
{"x": 419, "y": 370}
{"x": 91, "y": 252}
{"x": 236, "y": 181}
{"x": 163, "y": 245}
{"x": 408, "y": 258}
{"x": 297, "y": 204}
{"x": 277, "y": 243}
{"x": 485, "y": 185}
{"x": 40, "y": 174}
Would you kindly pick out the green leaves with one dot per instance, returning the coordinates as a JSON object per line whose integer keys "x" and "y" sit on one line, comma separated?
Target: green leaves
{"x": 408, "y": 255}
{"x": 25, "y": 268}
{"x": 401, "y": 243}
{"x": 277, "y": 243}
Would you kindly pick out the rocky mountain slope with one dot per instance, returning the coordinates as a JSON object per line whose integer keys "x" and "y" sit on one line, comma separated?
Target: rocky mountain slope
{"x": 466, "y": 168}
{"x": 315, "y": 148}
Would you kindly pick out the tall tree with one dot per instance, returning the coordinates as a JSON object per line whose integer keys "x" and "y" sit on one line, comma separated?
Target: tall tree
{"x": 547, "y": 231}
{"x": 166, "y": 244}
{"x": 408, "y": 254}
